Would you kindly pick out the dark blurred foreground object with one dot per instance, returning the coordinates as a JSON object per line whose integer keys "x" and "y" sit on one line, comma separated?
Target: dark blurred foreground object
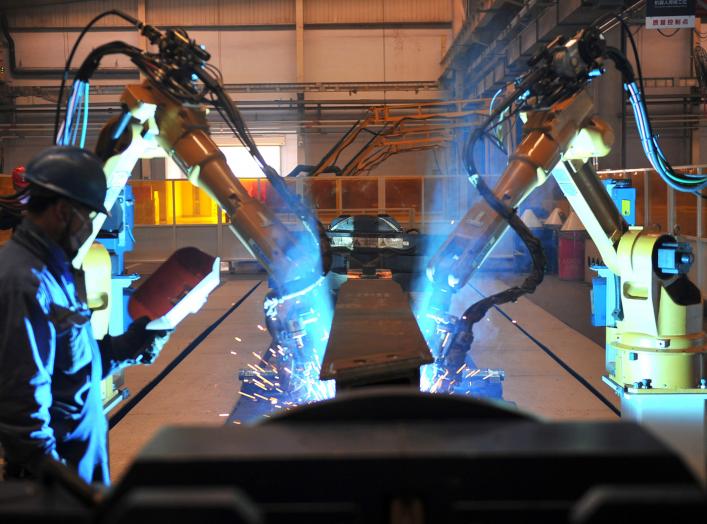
{"x": 388, "y": 455}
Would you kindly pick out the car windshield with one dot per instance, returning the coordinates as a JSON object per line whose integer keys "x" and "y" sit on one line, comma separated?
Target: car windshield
{"x": 365, "y": 224}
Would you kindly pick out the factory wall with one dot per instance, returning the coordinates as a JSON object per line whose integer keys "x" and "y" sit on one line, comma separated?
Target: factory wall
{"x": 255, "y": 42}
{"x": 237, "y": 12}
{"x": 663, "y": 58}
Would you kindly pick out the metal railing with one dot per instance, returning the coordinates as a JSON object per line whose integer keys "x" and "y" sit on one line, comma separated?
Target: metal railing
{"x": 173, "y": 213}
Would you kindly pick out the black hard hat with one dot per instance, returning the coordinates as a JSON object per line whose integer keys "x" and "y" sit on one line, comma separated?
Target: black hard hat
{"x": 74, "y": 173}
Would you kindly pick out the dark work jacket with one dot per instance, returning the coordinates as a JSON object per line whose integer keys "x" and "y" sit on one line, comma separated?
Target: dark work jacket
{"x": 50, "y": 364}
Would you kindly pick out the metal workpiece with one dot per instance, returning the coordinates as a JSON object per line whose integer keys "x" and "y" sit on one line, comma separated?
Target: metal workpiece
{"x": 374, "y": 337}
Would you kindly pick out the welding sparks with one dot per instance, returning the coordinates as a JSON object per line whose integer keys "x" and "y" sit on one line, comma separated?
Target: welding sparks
{"x": 438, "y": 382}
{"x": 247, "y": 395}
{"x": 473, "y": 373}
{"x": 234, "y": 353}
{"x": 261, "y": 328}
{"x": 263, "y": 379}
{"x": 238, "y": 339}
{"x": 223, "y": 414}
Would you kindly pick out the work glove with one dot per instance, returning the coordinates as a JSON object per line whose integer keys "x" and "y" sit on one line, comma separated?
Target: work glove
{"x": 144, "y": 345}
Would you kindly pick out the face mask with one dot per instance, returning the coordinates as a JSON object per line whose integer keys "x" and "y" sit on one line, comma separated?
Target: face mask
{"x": 72, "y": 242}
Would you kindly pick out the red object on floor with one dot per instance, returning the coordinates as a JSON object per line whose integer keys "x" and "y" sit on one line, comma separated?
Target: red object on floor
{"x": 18, "y": 178}
{"x": 570, "y": 255}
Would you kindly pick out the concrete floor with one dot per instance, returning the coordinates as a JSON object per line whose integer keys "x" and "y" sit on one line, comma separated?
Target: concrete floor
{"x": 534, "y": 381}
{"x": 204, "y": 387}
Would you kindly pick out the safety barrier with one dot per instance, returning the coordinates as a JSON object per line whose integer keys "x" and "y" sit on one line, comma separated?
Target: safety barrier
{"x": 173, "y": 213}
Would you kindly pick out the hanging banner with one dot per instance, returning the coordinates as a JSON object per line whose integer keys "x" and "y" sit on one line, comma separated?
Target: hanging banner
{"x": 670, "y": 14}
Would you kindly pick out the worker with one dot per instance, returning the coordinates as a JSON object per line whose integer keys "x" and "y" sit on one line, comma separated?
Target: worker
{"x": 50, "y": 364}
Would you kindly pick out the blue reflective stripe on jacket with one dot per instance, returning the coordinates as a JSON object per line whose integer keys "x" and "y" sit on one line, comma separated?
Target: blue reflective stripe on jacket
{"x": 50, "y": 364}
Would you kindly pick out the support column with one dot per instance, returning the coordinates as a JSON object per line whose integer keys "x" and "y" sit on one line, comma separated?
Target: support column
{"x": 299, "y": 58}
{"x": 145, "y": 166}
{"x": 458, "y": 16}
{"x": 695, "y": 157}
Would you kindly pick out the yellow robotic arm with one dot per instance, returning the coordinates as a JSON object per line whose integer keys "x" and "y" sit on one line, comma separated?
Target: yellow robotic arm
{"x": 656, "y": 357}
{"x": 183, "y": 132}
{"x": 168, "y": 110}
{"x": 656, "y": 343}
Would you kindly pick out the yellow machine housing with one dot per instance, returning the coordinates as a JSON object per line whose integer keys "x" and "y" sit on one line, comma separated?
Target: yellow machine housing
{"x": 659, "y": 344}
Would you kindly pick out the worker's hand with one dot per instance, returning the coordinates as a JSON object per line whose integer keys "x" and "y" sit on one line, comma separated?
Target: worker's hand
{"x": 159, "y": 339}
{"x": 148, "y": 343}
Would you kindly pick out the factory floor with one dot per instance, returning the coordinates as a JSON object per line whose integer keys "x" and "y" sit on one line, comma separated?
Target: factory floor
{"x": 203, "y": 388}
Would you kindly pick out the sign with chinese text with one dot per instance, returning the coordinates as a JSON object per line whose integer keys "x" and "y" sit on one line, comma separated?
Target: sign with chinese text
{"x": 670, "y": 14}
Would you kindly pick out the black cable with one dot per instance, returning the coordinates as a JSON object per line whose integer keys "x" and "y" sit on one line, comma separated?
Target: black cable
{"x": 463, "y": 332}
{"x": 617, "y": 61}
{"x": 699, "y": 58}
{"x": 175, "y": 70}
{"x": 67, "y": 67}
{"x": 532, "y": 243}
{"x": 506, "y": 103}
{"x": 670, "y": 35}
{"x": 634, "y": 48}
{"x": 464, "y": 328}
{"x": 236, "y": 123}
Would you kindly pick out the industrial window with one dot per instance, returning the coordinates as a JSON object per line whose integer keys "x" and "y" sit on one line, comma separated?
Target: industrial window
{"x": 239, "y": 160}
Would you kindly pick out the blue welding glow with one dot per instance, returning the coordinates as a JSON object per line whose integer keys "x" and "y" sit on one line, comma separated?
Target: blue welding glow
{"x": 431, "y": 302}
{"x": 316, "y": 315}
{"x": 433, "y": 307}
{"x": 307, "y": 315}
